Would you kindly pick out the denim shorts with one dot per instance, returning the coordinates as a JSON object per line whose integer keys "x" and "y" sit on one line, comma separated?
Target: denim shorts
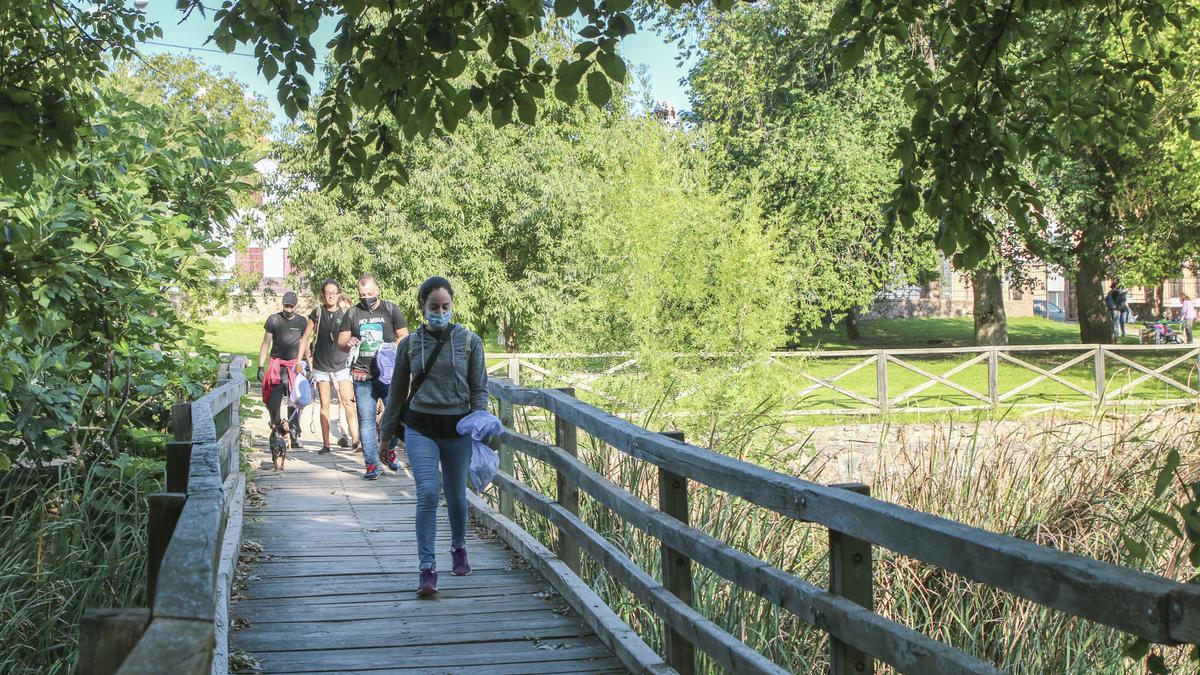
{"x": 342, "y": 375}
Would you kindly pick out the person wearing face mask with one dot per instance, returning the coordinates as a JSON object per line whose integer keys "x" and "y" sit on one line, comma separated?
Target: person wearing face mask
{"x": 283, "y": 333}
{"x": 369, "y": 327}
{"x": 439, "y": 378}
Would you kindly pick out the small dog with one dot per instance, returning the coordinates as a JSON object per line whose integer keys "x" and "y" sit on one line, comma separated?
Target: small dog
{"x": 279, "y": 447}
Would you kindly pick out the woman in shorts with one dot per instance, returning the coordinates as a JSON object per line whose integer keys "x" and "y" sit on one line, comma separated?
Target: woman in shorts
{"x": 330, "y": 365}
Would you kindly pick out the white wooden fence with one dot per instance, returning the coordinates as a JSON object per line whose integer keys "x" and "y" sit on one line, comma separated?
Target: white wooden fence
{"x": 1020, "y": 377}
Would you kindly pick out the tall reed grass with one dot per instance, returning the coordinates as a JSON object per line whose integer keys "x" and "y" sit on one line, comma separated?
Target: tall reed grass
{"x": 70, "y": 543}
{"x": 1076, "y": 485}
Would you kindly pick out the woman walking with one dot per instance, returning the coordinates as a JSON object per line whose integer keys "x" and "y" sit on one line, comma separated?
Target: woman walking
{"x": 1187, "y": 315}
{"x": 440, "y": 378}
{"x": 330, "y": 365}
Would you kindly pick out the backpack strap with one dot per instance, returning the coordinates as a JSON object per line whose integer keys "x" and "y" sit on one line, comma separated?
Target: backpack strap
{"x": 420, "y": 378}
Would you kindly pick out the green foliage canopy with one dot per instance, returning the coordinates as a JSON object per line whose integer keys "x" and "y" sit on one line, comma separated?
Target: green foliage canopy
{"x": 815, "y": 141}
{"x": 996, "y": 83}
{"x": 92, "y": 253}
{"x": 52, "y": 54}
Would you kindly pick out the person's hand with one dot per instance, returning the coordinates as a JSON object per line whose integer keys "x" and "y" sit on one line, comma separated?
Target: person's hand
{"x": 353, "y": 342}
{"x": 260, "y": 373}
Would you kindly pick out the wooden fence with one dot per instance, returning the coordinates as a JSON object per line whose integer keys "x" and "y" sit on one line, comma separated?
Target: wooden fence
{"x": 1136, "y": 603}
{"x": 1114, "y": 377}
{"x": 194, "y": 537}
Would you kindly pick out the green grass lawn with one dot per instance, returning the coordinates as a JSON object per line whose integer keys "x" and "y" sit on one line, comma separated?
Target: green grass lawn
{"x": 956, "y": 332}
{"x": 236, "y": 337}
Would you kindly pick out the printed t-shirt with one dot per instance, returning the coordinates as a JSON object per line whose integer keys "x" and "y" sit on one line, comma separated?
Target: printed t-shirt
{"x": 374, "y": 328}
{"x": 285, "y": 335}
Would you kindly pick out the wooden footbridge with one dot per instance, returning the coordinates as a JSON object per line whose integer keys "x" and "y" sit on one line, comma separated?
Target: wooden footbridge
{"x": 328, "y": 564}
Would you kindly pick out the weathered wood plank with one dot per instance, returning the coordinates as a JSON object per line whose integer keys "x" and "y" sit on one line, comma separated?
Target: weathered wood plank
{"x": 623, "y": 641}
{"x": 676, "y": 567}
{"x": 851, "y": 576}
{"x": 185, "y": 588}
{"x": 172, "y": 647}
{"x": 725, "y": 649}
{"x": 363, "y": 633}
{"x": 405, "y": 608}
{"x": 439, "y": 658}
{"x": 568, "y": 494}
{"x": 230, "y": 548}
{"x": 595, "y": 666}
{"x": 1075, "y": 584}
{"x": 335, "y": 591}
{"x": 107, "y": 636}
{"x": 164, "y": 510}
{"x": 900, "y": 646}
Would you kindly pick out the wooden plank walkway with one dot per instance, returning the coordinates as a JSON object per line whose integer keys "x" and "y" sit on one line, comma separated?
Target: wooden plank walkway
{"x": 333, "y": 588}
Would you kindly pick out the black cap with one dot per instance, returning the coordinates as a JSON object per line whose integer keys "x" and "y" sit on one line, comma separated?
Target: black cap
{"x": 289, "y": 298}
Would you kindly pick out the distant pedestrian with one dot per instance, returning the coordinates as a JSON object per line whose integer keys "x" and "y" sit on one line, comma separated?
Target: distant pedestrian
{"x": 1115, "y": 302}
{"x": 283, "y": 334}
{"x": 369, "y": 328}
{"x": 1187, "y": 315}
{"x": 330, "y": 365}
{"x": 440, "y": 378}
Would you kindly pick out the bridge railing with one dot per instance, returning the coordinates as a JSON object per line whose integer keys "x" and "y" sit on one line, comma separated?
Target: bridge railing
{"x": 194, "y": 537}
{"x": 922, "y": 380}
{"x": 1136, "y": 603}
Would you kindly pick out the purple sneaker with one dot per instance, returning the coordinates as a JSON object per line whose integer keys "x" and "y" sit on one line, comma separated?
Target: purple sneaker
{"x": 428, "y": 583}
{"x": 459, "y": 565}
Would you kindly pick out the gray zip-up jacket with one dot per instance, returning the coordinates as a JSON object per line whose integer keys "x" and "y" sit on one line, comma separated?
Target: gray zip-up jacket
{"x": 456, "y": 386}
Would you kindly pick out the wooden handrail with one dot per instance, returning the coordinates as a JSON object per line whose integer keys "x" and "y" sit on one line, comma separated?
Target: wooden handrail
{"x": 188, "y": 590}
{"x": 1141, "y": 604}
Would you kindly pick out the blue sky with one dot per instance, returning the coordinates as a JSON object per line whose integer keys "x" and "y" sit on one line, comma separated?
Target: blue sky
{"x": 644, "y": 48}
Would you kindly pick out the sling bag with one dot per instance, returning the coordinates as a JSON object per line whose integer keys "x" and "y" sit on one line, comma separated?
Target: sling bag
{"x": 420, "y": 378}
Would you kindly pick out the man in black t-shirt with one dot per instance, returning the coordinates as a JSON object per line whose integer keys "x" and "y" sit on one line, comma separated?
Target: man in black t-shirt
{"x": 282, "y": 337}
{"x": 330, "y": 365}
{"x": 371, "y": 326}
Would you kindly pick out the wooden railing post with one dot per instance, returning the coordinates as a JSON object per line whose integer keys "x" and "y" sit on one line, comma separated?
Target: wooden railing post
{"x": 505, "y": 409}
{"x": 881, "y": 381}
{"x": 676, "y": 567}
{"x": 514, "y": 369}
{"x": 181, "y": 422}
{"x": 568, "y": 492}
{"x": 179, "y": 462}
{"x": 850, "y": 576}
{"x": 164, "y": 511}
{"x": 994, "y": 377}
{"x": 1101, "y": 378}
{"x": 107, "y": 636}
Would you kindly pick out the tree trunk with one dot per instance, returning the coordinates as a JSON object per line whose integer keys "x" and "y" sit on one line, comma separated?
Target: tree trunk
{"x": 1154, "y": 298}
{"x": 851, "y": 323}
{"x": 991, "y": 323}
{"x": 1094, "y": 324}
{"x": 510, "y": 337}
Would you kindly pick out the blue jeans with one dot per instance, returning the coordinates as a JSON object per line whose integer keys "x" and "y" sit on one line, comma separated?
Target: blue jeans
{"x": 366, "y": 393}
{"x": 424, "y": 456}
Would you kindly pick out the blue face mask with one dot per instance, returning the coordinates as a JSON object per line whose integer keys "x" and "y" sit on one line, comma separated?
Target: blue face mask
{"x": 438, "y": 321}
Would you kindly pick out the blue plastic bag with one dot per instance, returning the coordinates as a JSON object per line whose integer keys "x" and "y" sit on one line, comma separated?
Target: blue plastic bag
{"x": 301, "y": 393}
{"x": 385, "y": 361}
{"x": 481, "y": 425}
{"x": 484, "y": 465}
